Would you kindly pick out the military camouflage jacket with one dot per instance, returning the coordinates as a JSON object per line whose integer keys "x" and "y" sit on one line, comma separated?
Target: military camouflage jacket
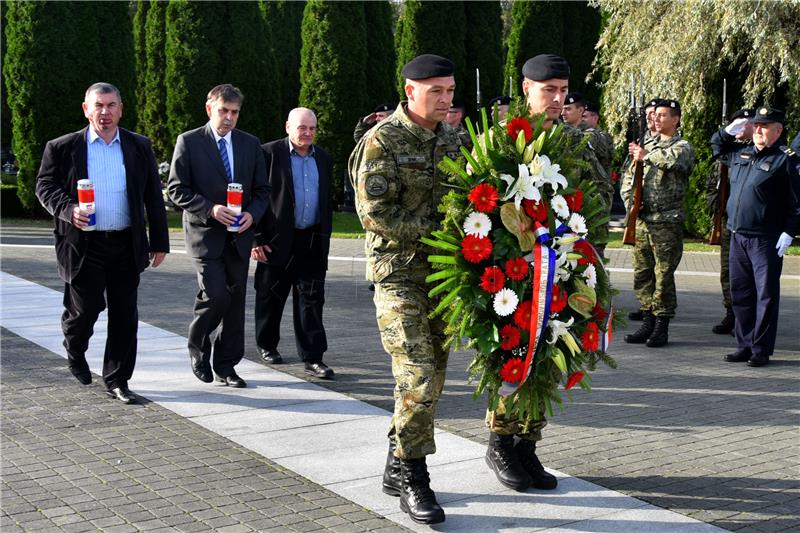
{"x": 463, "y": 135}
{"x": 603, "y": 146}
{"x": 667, "y": 166}
{"x": 596, "y": 173}
{"x": 398, "y": 189}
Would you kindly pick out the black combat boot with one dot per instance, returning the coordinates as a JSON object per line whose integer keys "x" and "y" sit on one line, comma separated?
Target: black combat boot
{"x": 636, "y": 315}
{"x": 645, "y": 330}
{"x": 416, "y": 497}
{"x": 503, "y": 461}
{"x": 726, "y": 324}
{"x": 540, "y": 478}
{"x": 392, "y": 482}
{"x": 660, "y": 332}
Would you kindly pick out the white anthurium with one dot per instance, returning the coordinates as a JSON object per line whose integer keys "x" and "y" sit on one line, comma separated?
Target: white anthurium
{"x": 558, "y": 328}
{"x": 559, "y": 206}
{"x": 477, "y": 224}
{"x": 522, "y": 187}
{"x": 551, "y": 173}
{"x": 577, "y": 224}
{"x": 590, "y": 274}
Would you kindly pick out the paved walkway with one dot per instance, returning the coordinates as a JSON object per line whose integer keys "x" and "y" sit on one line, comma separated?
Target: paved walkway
{"x": 683, "y": 431}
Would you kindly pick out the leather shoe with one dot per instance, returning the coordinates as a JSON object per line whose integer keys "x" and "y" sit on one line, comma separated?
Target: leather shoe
{"x": 739, "y": 356}
{"x": 758, "y": 360}
{"x": 271, "y": 357}
{"x": 319, "y": 370}
{"x": 232, "y": 380}
{"x": 80, "y": 369}
{"x": 121, "y": 393}
{"x": 201, "y": 369}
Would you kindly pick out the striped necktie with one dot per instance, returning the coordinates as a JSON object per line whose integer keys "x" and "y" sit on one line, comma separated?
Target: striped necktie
{"x": 223, "y": 153}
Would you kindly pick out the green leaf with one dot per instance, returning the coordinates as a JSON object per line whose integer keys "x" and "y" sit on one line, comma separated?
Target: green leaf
{"x": 443, "y": 259}
{"x": 442, "y": 274}
{"x": 446, "y": 301}
{"x": 442, "y": 245}
{"x": 443, "y": 286}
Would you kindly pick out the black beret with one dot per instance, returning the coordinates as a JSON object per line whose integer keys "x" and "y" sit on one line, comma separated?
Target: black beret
{"x": 383, "y": 108}
{"x": 500, "y": 100}
{"x": 575, "y": 98}
{"x": 765, "y": 115}
{"x": 428, "y": 66}
{"x": 458, "y": 104}
{"x": 744, "y": 112}
{"x": 592, "y": 107}
{"x": 672, "y": 104}
{"x": 655, "y": 102}
{"x": 546, "y": 67}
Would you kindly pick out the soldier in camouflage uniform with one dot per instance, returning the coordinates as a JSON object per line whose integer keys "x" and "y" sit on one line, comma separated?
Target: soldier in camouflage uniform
{"x": 659, "y": 229}
{"x": 398, "y": 189}
{"x": 603, "y": 146}
{"x": 512, "y": 442}
{"x": 455, "y": 117}
{"x": 725, "y": 327}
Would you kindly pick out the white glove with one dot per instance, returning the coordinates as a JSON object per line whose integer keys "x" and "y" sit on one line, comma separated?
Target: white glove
{"x": 783, "y": 243}
{"x": 737, "y": 126}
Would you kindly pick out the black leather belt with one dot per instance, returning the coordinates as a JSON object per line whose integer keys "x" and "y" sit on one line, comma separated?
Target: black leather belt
{"x": 113, "y": 234}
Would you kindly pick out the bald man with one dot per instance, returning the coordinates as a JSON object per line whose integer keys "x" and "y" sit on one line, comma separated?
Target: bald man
{"x": 292, "y": 243}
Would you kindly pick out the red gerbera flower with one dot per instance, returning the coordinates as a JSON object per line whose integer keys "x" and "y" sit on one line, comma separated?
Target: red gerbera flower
{"x": 599, "y": 313}
{"x": 574, "y": 200}
{"x": 536, "y": 210}
{"x": 509, "y": 337}
{"x": 476, "y": 249}
{"x": 484, "y": 197}
{"x": 591, "y": 337}
{"x": 559, "y": 300}
{"x": 574, "y": 379}
{"x": 513, "y": 370}
{"x": 522, "y": 315}
{"x": 586, "y": 250}
{"x": 517, "y": 125}
{"x": 517, "y": 268}
{"x": 492, "y": 280}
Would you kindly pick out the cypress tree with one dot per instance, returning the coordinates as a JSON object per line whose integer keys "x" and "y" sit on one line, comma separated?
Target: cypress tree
{"x": 579, "y": 45}
{"x": 380, "y": 66}
{"x": 284, "y": 19}
{"x": 153, "y": 107}
{"x": 332, "y": 75}
{"x": 434, "y": 28}
{"x": 140, "y": 57}
{"x": 193, "y": 61}
{"x": 115, "y": 61}
{"x": 536, "y": 28}
{"x": 484, "y": 50}
{"x": 5, "y": 111}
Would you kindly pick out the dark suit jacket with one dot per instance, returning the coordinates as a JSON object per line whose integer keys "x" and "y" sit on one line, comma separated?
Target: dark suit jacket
{"x": 277, "y": 227}
{"x": 197, "y": 181}
{"x": 64, "y": 163}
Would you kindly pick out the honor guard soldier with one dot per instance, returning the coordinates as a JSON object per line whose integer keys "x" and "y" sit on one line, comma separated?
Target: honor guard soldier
{"x": 398, "y": 189}
{"x": 763, "y": 216}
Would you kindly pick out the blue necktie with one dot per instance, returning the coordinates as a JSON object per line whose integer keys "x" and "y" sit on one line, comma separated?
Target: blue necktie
{"x": 223, "y": 153}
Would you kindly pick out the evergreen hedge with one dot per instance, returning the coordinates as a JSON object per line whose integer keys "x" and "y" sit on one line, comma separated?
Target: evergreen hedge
{"x": 536, "y": 28}
{"x": 483, "y": 45}
{"x": 380, "y": 66}
{"x": 153, "y": 105}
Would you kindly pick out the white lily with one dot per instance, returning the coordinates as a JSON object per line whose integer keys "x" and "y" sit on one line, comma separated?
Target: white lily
{"x": 522, "y": 187}
{"x": 550, "y": 173}
{"x": 558, "y": 328}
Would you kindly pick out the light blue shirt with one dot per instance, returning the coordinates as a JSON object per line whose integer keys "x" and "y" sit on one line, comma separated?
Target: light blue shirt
{"x": 305, "y": 177}
{"x": 106, "y": 168}
{"x": 228, "y": 145}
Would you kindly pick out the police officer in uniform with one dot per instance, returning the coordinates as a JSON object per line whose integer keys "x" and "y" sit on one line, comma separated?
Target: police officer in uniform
{"x": 398, "y": 189}
{"x": 668, "y": 161}
{"x": 763, "y": 215}
{"x": 511, "y": 453}
{"x": 725, "y": 326}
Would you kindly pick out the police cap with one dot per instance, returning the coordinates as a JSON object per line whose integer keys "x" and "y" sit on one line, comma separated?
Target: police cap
{"x": 428, "y": 66}
{"x": 546, "y": 67}
{"x": 672, "y": 104}
{"x": 765, "y": 115}
{"x": 744, "y": 112}
{"x": 575, "y": 98}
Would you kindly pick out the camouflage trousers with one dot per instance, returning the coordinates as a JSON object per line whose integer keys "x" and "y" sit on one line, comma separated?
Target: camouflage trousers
{"x": 656, "y": 254}
{"x": 419, "y": 359}
{"x": 502, "y": 423}
{"x": 724, "y": 261}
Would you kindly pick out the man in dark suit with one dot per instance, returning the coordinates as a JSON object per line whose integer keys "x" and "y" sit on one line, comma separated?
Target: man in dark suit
{"x": 293, "y": 243}
{"x": 102, "y": 267}
{"x": 204, "y": 162}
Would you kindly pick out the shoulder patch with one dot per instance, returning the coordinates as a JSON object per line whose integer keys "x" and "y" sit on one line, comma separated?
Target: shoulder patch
{"x": 376, "y": 185}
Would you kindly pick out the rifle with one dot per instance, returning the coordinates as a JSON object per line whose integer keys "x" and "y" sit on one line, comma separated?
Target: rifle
{"x": 723, "y": 185}
{"x": 637, "y": 126}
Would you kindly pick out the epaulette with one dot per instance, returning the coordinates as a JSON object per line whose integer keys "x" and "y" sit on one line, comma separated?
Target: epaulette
{"x": 788, "y": 151}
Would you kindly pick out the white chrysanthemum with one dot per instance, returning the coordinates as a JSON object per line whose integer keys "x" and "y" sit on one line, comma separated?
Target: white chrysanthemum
{"x": 551, "y": 175}
{"x": 577, "y": 224}
{"x": 559, "y": 206}
{"x": 558, "y": 328}
{"x": 590, "y": 274}
{"x": 477, "y": 224}
{"x": 505, "y": 302}
{"x": 522, "y": 187}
